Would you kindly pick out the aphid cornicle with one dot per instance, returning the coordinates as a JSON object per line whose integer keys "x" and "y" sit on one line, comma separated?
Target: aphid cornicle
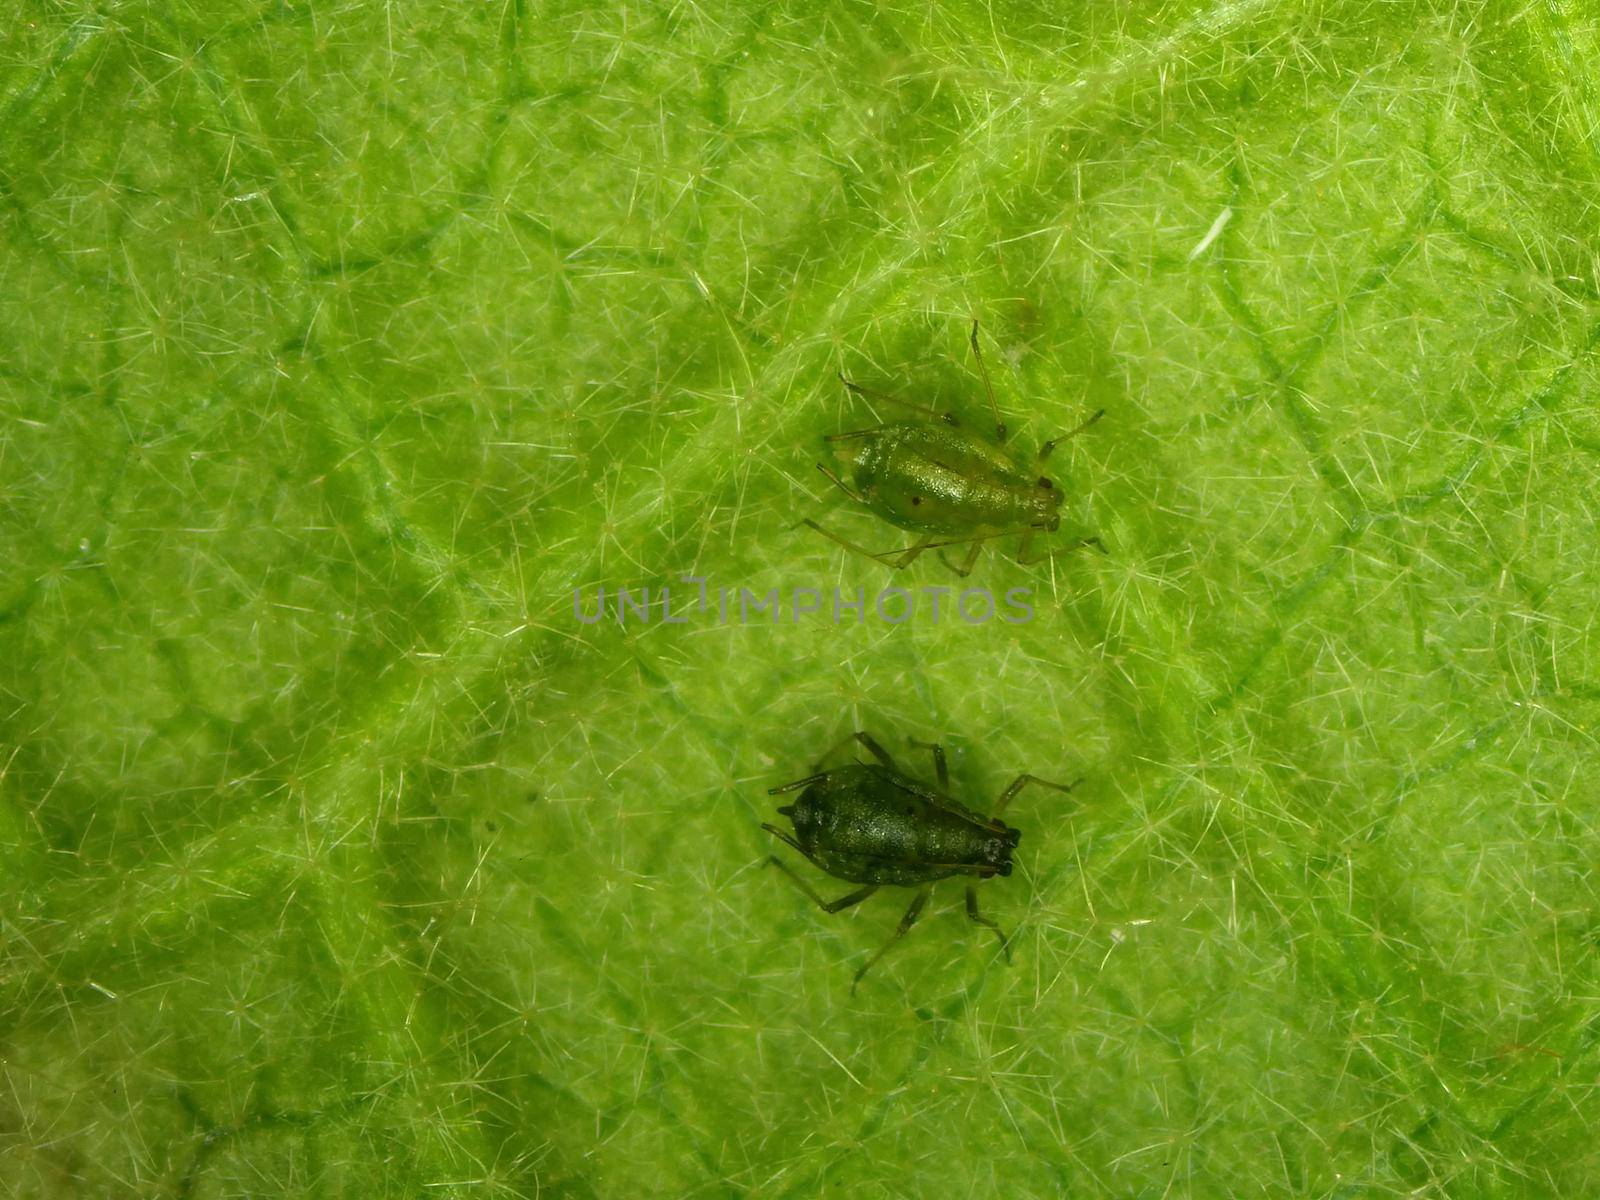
{"x": 869, "y": 823}
{"x": 947, "y": 483}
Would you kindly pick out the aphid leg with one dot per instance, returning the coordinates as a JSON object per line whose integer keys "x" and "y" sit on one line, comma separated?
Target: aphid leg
{"x": 967, "y": 563}
{"x": 940, "y": 770}
{"x": 781, "y": 835}
{"x": 827, "y": 906}
{"x": 852, "y": 434}
{"x": 896, "y": 559}
{"x": 865, "y": 739}
{"x": 906, "y": 922}
{"x": 1022, "y": 781}
{"x": 874, "y": 749}
{"x": 842, "y": 485}
{"x": 974, "y": 915}
{"x": 796, "y": 785}
{"x": 847, "y": 544}
{"x": 911, "y": 552}
{"x": 1027, "y": 542}
{"x": 1091, "y": 540}
{"x": 1044, "y": 450}
{"x": 999, "y": 425}
{"x": 932, "y": 414}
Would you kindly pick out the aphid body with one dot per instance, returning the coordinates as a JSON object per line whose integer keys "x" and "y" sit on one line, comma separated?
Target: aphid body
{"x": 946, "y": 483}
{"x": 871, "y": 824}
{"x": 941, "y": 478}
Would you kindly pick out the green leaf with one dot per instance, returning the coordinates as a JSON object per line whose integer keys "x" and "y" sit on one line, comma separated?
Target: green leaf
{"x": 340, "y": 347}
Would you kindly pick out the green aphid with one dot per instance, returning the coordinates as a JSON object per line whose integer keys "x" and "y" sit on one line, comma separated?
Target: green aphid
{"x": 946, "y": 483}
{"x": 870, "y": 824}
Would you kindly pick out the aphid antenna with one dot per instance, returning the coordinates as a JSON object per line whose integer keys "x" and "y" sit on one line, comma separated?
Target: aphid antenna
{"x": 796, "y": 785}
{"x": 1000, "y": 430}
{"x": 854, "y": 433}
{"x": 932, "y": 414}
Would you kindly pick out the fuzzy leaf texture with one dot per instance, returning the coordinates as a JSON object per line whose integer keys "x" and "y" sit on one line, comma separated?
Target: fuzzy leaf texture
{"x": 340, "y": 344}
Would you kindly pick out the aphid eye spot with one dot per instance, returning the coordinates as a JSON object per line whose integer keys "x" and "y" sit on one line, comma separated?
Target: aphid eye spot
{"x": 1045, "y": 483}
{"x": 916, "y": 500}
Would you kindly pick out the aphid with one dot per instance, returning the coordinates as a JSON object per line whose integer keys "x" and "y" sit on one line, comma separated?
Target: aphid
{"x": 946, "y": 483}
{"x": 870, "y": 824}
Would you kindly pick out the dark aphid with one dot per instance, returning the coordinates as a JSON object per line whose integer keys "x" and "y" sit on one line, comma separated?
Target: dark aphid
{"x": 946, "y": 483}
{"x": 872, "y": 825}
